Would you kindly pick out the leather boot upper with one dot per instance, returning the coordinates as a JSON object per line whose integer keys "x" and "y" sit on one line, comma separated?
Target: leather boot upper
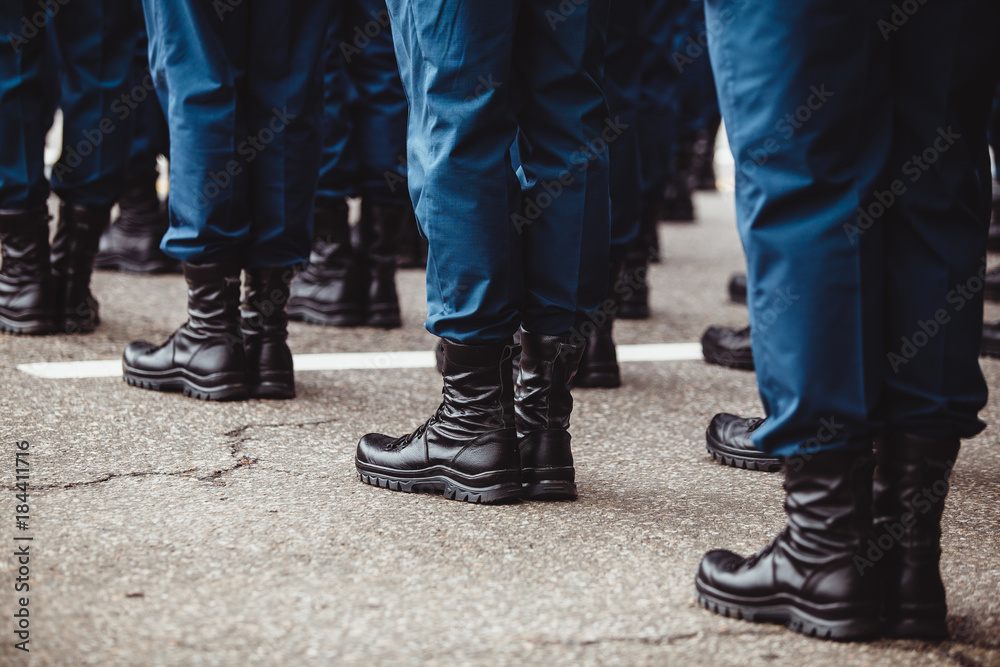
{"x": 332, "y": 282}
{"x": 911, "y": 483}
{"x": 73, "y": 248}
{"x": 209, "y": 345}
{"x": 378, "y": 235}
{"x": 264, "y": 322}
{"x": 543, "y": 402}
{"x": 828, "y": 504}
{"x": 132, "y": 243}
{"x": 472, "y": 431}
{"x": 27, "y": 303}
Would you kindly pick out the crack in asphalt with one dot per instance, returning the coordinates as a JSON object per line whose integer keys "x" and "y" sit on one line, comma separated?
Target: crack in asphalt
{"x": 215, "y": 477}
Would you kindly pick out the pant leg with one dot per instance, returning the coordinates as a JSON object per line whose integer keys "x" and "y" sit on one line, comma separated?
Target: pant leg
{"x": 944, "y": 65}
{"x": 379, "y": 111}
{"x": 658, "y": 101}
{"x": 94, "y": 41}
{"x": 198, "y": 61}
{"x": 621, "y": 86}
{"x": 149, "y": 126}
{"x": 338, "y": 175}
{"x": 284, "y": 107}
{"x": 564, "y": 133}
{"x": 803, "y": 88}
{"x": 25, "y": 114}
{"x": 461, "y": 182}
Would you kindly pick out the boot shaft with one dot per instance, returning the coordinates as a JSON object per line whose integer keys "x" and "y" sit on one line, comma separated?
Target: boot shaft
{"x": 24, "y": 245}
{"x": 76, "y": 240}
{"x": 829, "y": 503}
{"x": 478, "y": 386}
{"x": 910, "y": 488}
{"x": 379, "y": 232}
{"x": 545, "y": 374}
{"x": 213, "y": 300}
{"x": 911, "y": 484}
{"x": 139, "y": 204}
{"x": 331, "y": 236}
{"x": 267, "y": 291}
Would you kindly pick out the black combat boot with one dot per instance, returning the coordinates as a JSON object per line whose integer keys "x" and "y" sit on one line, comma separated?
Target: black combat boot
{"x": 468, "y": 448}
{"x": 27, "y": 297}
{"x": 703, "y": 165}
{"x": 204, "y": 358}
{"x": 73, "y": 249}
{"x": 599, "y": 365}
{"x": 807, "y": 578}
{"x": 728, "y": 347}
{"x": 132, "y": 243}
{"x": 911, "y": 483}
{"x": 738, "y": 288}
{"x": 633, "y": 295}
{"x": 543, "y": 404}
{"x": 678, "y": 205}
{"x": 330, "y": 290}
{"x": 649, "y": 229}
{"x": 379, "y": 234}
{"x": 265, "y": 333}
{"x": 727, "y": 439}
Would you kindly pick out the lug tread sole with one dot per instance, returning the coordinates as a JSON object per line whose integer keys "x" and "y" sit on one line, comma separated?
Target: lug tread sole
{"x": 189, "y": 389}
{"x": 500, "y": 493}
{"x": 745, "y": 463}
{"x": 794, "y": 619}
{"x": 300, "y": 312}
{"x": 31, "y": 328}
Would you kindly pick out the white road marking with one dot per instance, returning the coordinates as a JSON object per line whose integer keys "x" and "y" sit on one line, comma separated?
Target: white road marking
{"x": 62, "y": 370}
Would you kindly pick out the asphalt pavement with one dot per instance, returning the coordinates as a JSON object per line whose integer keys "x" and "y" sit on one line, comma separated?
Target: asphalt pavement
{"x": 171, "y": 531}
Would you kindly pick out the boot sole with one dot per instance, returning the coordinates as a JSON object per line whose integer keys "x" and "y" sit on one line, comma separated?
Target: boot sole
{"x": 721, "y": 357}
{"x": 77, "y": 326}
{"x": 301, "y": 312}
{"x": 441, "y": 483}
{"x": 549, "y": 483}
{"x": 914, "y": 628}
{"x": 384, "y": 319}
{"x": 180, "y": 383}
{"x": 550, "y": 489}
{"x": 597, "y": 381}
{"x": 727, "y": 456}
{"x": 272, "y": 390}
{"x": 27, "y": 328}
{"x": 791, "y": 612}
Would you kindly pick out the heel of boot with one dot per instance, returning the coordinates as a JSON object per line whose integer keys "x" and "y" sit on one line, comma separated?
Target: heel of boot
{"x": 549, "y": 489}
{"x": 278, "y": 386}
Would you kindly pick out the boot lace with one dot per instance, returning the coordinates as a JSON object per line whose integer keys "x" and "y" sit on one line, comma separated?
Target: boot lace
{"x": 752, "y": 560}
{"x": 419, "y": 431}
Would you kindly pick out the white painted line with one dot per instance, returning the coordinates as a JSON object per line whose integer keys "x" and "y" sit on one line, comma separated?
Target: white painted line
{"x": 60, "y": 370}
{"x": 660, "y": 352}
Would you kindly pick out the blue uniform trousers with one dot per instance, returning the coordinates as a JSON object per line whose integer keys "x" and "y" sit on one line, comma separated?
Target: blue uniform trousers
{"x": 859, "y": 134}
{"x": 659, "y": 103}
{"x": 75, "y": 55}
{"x": 364, "y": 126}
{"x": 622, "y": 72}
{"x": 149, "y": 126}
{"x": 241, "y": 84}
{"x": 508, "y": 247}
